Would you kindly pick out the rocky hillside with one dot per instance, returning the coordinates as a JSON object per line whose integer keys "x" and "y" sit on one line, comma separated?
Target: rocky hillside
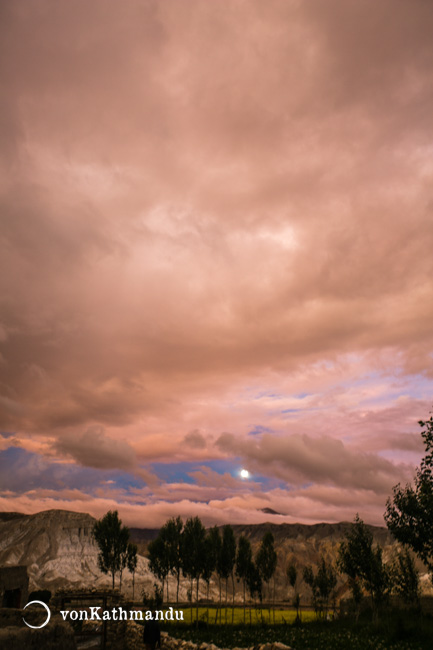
{"x": 59, "y": 551}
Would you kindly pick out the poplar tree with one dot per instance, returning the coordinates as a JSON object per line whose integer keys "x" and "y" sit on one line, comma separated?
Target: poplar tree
{"x": 131, "y": 563}
{"x": 212, "y": 544}
{"x": 267, "y": 559}
{"x": 244, "y": 558}
{"x": 171, "y": 535}
{"x": 254, "y": 583}
{"x": 159, "y": 561}
{"x": 322, "y": 584}
{"x": 227, "y": 559}
{"x": 292, "y": 576}
{"x": 405, "y": 578}
{"x": 193, "y": 553}
{"x": 216, "y": 544}
{"x": 112, "y": 540}
{"x": 363, "y": 563}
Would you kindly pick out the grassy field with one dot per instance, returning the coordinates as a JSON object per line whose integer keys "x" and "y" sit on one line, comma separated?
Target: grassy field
{"x": 253, "y": 616}
{"x": 401, "y": 631}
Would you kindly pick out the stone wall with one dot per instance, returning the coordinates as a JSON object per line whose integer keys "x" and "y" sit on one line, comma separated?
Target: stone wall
{"x": 15, "y": 635}
{"x": 59, "y": 635}
{"x": 133, "y": 640}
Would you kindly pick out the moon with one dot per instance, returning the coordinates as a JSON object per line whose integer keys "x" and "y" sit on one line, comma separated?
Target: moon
{"x": 245, "y": 473}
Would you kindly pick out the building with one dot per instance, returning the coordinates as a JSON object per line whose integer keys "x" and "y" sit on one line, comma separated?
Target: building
{"x": 14, "y": 586}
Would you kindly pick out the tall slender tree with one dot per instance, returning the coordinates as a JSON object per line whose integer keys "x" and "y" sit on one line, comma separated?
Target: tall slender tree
{"x": 131, "y": 563}
{"x": 322, "y": 584}
{"x": 122, "y": 565}
{"x": 292, "y": 576}
{"x": 227, "y": 559}
{"x": 171, "y": 534}
{"x": 244, "y": 558}
{"x": 361, "y": 562}
{"x": 209, "y": 560}
{"x": 210, "y": 557}
{"x": 193, "y": 553}
{"x": 267, "y": 559}
{"x": 159, "y": 561}
{"x": 405, "y": 578}
{"x": 254, "y": 583}
{"x": 216, "y": 545}
{"x": 112, "y": 540}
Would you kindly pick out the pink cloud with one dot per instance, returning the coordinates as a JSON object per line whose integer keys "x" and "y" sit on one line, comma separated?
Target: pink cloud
{"x": 216, "y": 219}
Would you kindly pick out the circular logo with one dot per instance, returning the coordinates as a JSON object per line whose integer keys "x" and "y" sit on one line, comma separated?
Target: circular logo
{"x": 38, "y": 602}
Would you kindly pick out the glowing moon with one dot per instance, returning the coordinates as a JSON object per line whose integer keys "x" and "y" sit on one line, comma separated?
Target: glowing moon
{"x": 245, "y": 473}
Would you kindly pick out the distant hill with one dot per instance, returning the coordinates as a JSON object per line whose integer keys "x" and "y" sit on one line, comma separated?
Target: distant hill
{"x": 7, "y": 516}
{"x": 59, "y": 551}
{"x": 58, "y": 548}
{"x": 271, "y": 511}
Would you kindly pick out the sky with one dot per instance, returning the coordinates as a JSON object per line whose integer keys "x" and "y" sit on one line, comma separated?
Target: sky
{"x": 216, "y": 236}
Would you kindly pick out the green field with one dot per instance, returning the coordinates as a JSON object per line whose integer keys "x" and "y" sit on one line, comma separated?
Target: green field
{"x": 392, "y": 633}
{"x": 255, "y": 615}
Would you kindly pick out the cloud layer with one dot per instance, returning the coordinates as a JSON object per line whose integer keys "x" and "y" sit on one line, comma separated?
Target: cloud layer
{"x": 216, "y": 235}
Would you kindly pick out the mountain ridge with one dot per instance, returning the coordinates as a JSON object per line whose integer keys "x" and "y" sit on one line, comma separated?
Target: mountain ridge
{"x": 58, "y": 549}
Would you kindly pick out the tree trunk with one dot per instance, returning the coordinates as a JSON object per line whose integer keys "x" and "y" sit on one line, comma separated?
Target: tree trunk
{"x": 218, "y": 609}
{"x": 196, "y": 602}
{"x": 243, "y": 581}
{"x": 225, "y": 610}
{"x": 273, "y": 603}
{"x": 233, "y": 601}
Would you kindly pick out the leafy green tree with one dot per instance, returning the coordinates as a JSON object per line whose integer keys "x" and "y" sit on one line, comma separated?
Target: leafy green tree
{"x": 360, "y": 561}
{"x": 409, "y": 513}
{"x": 215, "y": 545}
{"x": 122, "y": 565}
{"x": 355, "y": 588}
{"x": 254, "y": 583}
{"x": 153, "y": 601}
{"x": 405, "y": 578}
{"x": 292, "y": 576}
{"x": 131, "y": 563}
{"x": 244, "y": 558}
{"x": 112, "y": 540}
{"x": 193, "y": 553}
{"x": 322, "y": 584}
{"x": 212, "y": 542}
{"x": 267, "y": 559}
{"x": 127, "y": 559}
{"x": 171, "y": 534}
{"x": 159, "y": 560}
{"x": 309, "y": 580}
{"x": 326, "y": 580}
{"x": 227, "y": 558}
